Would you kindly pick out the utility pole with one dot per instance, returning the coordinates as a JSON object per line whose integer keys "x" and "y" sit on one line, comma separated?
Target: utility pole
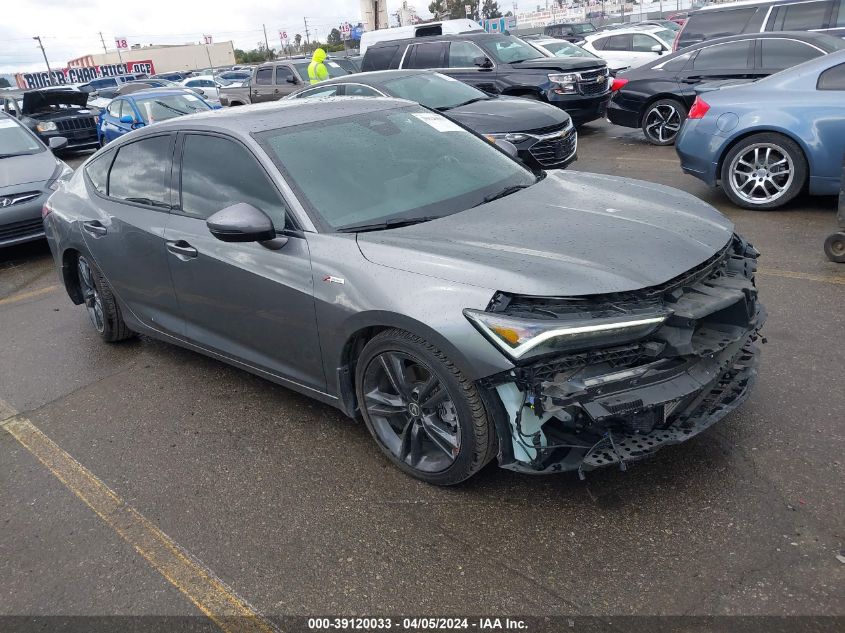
{"x": 307, "y": 36}
{"x": 49, "y": 72}
{"x": 105, "y": 50}
{"x": 266, "y": 41}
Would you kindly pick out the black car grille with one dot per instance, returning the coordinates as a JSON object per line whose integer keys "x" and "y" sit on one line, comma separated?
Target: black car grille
{"x": 594, "y": 88}
{"x": 592, "y": 74}
{"x": 79, "y": 123}
{"x": 20, "y": 229}
{"x": 553, "y": 151}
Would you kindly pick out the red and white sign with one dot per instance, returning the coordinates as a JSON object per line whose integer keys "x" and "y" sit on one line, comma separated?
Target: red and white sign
{"x": 283, "y": 35}
{"x": 121, "y": 43}
{"x": 208, "y": 39}
{"x": 82, "y": 74}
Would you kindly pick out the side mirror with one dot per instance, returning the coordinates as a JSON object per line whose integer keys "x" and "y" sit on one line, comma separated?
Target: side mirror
{"x": 241, "y": 222}
{"x": 57, "y": 143}
{"x": 483, "y": 62}
{"x": 657, "y": 48}
{"x": 127, "y": 118}
{"x": 507, "y": 147}
{"x": 293, "y": 80}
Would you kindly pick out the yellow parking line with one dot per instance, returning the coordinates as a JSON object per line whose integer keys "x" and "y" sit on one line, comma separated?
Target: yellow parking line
{"x": 23, "y": 296}
{"x": 790, "y": 274}
{"x": 210, "y": 595}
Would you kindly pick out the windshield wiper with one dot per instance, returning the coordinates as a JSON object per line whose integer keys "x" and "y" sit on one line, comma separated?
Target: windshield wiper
{"x": 170, "y": 107}
{"x": 458, "y": 105}
{"x": 387, "y": 224}
{"x": 504, "y": 192}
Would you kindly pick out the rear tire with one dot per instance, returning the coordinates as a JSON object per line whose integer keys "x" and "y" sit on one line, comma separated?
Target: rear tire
{"x": 424, "y": 414}
{"x": 764, "y": 171}
{"x": 99, "y": 300}
{"x": 663, "y": 120}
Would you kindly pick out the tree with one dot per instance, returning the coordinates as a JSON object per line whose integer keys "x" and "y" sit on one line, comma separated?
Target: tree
{"x": 4, "y": 83}
{"x": 297, "y": 39}
{"x": 333, "y": 38}
{"x": 452, "y": 9}
{"x": 490, "y": 9}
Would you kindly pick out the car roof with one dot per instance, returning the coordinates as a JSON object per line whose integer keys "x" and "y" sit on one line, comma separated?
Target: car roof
{"x": 373, "y": 78}
{"x": 281, "y": 114}
{"x": 451, "y": 37}
{"x": 643, "y": 28}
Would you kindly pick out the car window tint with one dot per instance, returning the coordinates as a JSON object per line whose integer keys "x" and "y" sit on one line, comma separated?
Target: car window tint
{"x": 733, "y": 55}
{"x": 618, "y": 43}
{"x": 801, "y": 16}
{"x": 141, "y": 172}
{"x": 780, "y": 54}
{"x": 284, "y": 75}
{"x": 706, "y": 25}
{"x": 325, "y": 91}
{"x": 378, "y": 58}
{"x": 210, "y": 184}
{"x": 355, "y": 90}
{"x": 98, "y": 171}
{"x": 428, "y": 55}
{"x": 463, "y": 54}
{"x": 832, "y": 78}
{"x": 643, "y": 43}
{"x": 264, "y": 76}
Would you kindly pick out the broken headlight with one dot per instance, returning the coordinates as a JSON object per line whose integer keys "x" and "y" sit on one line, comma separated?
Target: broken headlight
{"x": 521, "y": 338}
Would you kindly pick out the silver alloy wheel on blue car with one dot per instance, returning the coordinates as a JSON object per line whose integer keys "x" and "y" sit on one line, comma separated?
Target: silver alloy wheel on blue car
{"x": 762, "y": 173}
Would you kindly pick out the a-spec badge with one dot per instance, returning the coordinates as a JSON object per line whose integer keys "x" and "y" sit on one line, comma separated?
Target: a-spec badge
{"x": 334, "y": 280}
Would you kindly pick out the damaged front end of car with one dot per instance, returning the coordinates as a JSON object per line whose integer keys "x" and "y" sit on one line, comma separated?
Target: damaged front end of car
{"x": 603, "y": 380}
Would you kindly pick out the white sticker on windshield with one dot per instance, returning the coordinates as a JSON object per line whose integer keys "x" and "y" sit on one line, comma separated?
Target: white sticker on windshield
{"x": 191, "y": 98}
{"x": 7, "y": 123}
{"x": 333, "y": 64}
{"x": 439, "y": 123}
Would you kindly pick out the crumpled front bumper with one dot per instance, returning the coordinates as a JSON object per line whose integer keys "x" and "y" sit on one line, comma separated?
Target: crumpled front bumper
{"x": 612, "y": 406}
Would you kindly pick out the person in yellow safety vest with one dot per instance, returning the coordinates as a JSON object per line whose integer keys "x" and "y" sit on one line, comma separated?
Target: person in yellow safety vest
{"x": 317, "y": 70}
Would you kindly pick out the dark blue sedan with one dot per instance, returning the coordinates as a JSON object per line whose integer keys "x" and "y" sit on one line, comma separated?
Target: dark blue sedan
{"x": 765, "y": 142}
{"x": 129, "y": 112}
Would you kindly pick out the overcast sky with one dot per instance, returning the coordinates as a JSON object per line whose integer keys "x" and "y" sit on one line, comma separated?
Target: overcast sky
{"x": 70, "y": 28}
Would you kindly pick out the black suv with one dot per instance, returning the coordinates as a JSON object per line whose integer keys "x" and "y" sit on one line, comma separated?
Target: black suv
{"x": 63, "y": 113}
{"x": 570, "y": 31}
{"x": 720, "y": 20}
{"x": 502, "y": 64}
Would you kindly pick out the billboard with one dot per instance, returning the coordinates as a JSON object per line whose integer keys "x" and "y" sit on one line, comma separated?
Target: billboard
{"x": 82, "y": 74}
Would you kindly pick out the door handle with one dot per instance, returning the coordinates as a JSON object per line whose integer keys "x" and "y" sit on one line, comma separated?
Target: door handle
{"x": 182, "y": 250}
{"x": 94, "y": 228}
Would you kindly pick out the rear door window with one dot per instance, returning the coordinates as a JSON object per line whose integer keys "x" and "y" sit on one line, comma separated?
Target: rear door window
{"x": 141, "y": 172}
{"x": 264, "y": 77}
{"x": 730, "y": 56}
{"x": 619, "y": 43}
{"x": 801, "y": 16}
{"x": 428, "y": 55}
{"x": 778, "y": 54}
{"x": 378, "y": 58}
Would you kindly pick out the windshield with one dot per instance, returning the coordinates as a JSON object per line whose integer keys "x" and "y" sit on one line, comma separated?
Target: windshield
{"x": 433, "y": 90}
{"x": 165, "y": 107}
{"x": 394, "y": 164}
{"x": 565, "y": 49}
{"x": 509, "y": 50}
{"x": 583, "y": 28}
{"x": 333, "y": 67}
{"x": 15, "y": 140}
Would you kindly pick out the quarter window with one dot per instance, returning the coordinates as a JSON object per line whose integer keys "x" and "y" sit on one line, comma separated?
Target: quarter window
{"x": 141, "y": 172}
{"x": 98, "y": 172}
{"x": 210, "y": 184}
{"x": 832, "y": 78}
{"x": 463, "y": 54}
{"x": 730, "y": 56}
{"x": 803, "y": 16}
{"x": 264, "y": 77}
{"x": 780, "y": 54}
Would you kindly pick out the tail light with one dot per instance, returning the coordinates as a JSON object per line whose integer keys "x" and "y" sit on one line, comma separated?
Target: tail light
{"x": 699, "y": 108}
{"x": 618, "y": 83}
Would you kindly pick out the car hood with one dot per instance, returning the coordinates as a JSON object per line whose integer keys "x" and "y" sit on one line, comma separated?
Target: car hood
{"x": 508, "y": 114}
{"x": 560, "y": 64}
{"x": 35, "y": 100}
{"x": 19, "y": 170}
{"x": 571, "y": 234}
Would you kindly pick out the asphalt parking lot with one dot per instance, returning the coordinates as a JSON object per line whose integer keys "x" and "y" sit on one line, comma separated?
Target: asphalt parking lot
{"x": 293, "y": 510}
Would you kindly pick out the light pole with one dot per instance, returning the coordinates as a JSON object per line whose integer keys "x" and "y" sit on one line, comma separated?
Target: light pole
{"x": 41, "y": 46}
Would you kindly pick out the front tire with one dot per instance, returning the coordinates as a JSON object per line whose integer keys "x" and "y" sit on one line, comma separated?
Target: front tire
{"x": 764, "y": 171}
{"x": 662, "y": 121}
{"x": 424, "y": 414}
{"x": 102, "y": 307}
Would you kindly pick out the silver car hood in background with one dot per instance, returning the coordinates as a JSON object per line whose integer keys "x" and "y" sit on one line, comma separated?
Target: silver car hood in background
{"x": 573, "y": 233}
{"x": 26, "y": 168}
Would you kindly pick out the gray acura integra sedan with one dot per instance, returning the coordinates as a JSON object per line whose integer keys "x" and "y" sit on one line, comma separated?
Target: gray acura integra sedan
{"x": 380, "y": 258}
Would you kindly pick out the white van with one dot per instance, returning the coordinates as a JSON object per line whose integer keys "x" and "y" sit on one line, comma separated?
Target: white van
{"x": 447, "y": 27}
